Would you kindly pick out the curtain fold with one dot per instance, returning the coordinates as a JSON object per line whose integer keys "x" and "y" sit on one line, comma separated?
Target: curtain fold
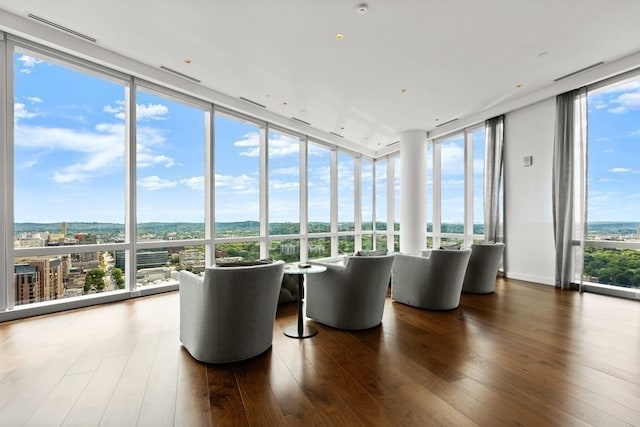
{"x": 570, "y": 186}
{"x": 494, "y": 141}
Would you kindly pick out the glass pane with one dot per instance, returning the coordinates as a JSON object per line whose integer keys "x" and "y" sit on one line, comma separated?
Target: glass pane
{"x": 346, "y": 245}
{"x": 366, "y": 167}
{"x": 346, "y": 188}
{"x": 381, "y": 195}
{"x": 237, "y": 177}
{"x": 319, "y": 189}
{"x": 609, "y": 266}
{"x": 286, "y": 250}
{"x": 53, "y": 277}
{"x": 69, "y": 165}
{"x": 284, "y": 184}
{"x": 319, "y": 248}
{"x": 367, "y": 242}
{"x": 477, "y": 138}
{"x": 452, "y": 168}
{"x": 396, "y": 193}
{"x": 451, "y": 243}
{"x": 161, "y": 266}
{"x": 170, "y": 167}
{"x": 381, "y": 242}
{"x": 429, "y": 187}
{"x": 249, "y": 251}
{"x": 613, "y": 181}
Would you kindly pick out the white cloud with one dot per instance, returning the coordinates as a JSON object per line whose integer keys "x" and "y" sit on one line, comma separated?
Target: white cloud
{"x": 28, "y": 63}
{"x": 153, "y": 183}
{"x": 619, "y": 170}
{"x": 195, "y": 183}
{"x": 144, "y": 113}
{"x": 281, "y": 145}
{"x": 102, "y": 149}
{"x": 452, "y": 159}
{"x": 34, "y": 99}
{"x": 20, "y": 112}
{"x": 283, "y": 185}
{"x": 293, "y": 170}
{"x": 250, "y": 141}
{"x": 625, "y": 102}
{"x": 117, "y": 110}
{"x": 149, "y": 112}
{"x": 241, "y": 184}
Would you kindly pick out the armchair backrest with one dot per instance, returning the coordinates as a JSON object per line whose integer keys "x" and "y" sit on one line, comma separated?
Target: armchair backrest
{"x": 483, "y": 267}
{"x": 228, "y": 314}
{"x": 433, "y": 283}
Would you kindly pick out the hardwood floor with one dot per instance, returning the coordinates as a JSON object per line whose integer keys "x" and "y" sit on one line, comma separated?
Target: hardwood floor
{"x": 526, "y": 355}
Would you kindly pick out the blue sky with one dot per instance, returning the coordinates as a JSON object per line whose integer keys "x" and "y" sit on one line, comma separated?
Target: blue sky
{"x": 70, "y": 163}
{"x": 614, "y": 153}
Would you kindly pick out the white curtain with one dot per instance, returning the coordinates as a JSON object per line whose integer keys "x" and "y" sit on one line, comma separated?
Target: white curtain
{"x": 494, "y": 141}
{"x": 570, "y": 186}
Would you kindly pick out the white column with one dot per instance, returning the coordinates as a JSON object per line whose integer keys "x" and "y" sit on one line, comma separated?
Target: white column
{"x": 413, "y": 193}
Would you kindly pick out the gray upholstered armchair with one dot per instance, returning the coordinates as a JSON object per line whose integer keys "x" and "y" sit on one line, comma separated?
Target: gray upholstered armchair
{"x": 483, "y": 268}
{"x": 350, "y": 296}
{"x": 228, "y": 315}
{"x": 433, "y": 283}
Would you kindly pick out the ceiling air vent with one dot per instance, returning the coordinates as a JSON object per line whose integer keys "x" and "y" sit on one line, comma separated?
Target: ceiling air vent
{"x": 61, "y": 27}
{"x": 179, "y": 74}
{"x": 582, "y": 70}
{"x": 393, "y": 143}
{"x": 336, "y": 134}
{"x": 253, "y": 102}
{"x": 300, "y": 121}
{"x": 446, "y": 123}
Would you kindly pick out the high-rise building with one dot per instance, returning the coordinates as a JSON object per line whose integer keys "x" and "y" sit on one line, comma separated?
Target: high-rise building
{"x": 38, "y": 280}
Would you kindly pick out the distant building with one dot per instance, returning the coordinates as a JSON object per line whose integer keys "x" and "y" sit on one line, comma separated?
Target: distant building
{"x": 38, "y": 280}
{"x": 145, "y": 259}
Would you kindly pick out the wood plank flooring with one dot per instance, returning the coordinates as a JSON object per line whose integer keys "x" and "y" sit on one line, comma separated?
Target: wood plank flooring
{"x": 527, "y": 355}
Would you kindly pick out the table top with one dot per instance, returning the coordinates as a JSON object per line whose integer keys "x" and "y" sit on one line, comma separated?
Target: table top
{"x": 295, "y": 269}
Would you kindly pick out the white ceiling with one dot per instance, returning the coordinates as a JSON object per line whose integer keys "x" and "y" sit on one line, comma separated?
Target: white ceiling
{"x": 454, "y": 58}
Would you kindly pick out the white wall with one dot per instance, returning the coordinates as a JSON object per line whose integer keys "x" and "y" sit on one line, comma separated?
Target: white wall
{"x": 529, "y": 250}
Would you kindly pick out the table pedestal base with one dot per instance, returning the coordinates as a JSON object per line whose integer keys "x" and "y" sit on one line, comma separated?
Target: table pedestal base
{"x": 307, "y": 331}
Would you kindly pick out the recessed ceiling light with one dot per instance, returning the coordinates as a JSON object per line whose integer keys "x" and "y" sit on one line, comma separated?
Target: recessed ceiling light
{"x": 403, "y": 90}
{"x": 339, "y": 36}
{"x": 187, "y": 61}
{"x": 519, "y": 85}
{"x": 363, "y": 8}
{"x": 285, "y": 103}
{"x": 437, "y": 120}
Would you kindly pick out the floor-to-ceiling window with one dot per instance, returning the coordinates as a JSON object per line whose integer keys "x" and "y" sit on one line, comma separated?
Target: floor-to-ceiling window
{"x": 284, "y": 196}
{"x": 319, "y": 201}
{"x": 237, "y": 186}
{"x": 381, "y": 204}
{"x": 170, "y": 186}
{"x": 612, "y": 253}
{"x": 455, "y": 195}
{"x": 366, "y": 197}
{"x": 477, "y": 137}
{"x": 346, "y": 203}
{"x": 452, "y": 197}
{"x": 69, "y": 179}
